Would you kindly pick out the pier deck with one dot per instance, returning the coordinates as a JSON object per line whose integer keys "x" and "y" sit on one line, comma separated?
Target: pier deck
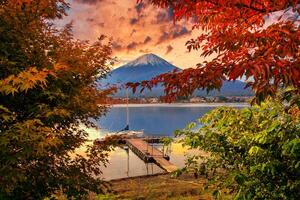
{"x": 149, "y": 153}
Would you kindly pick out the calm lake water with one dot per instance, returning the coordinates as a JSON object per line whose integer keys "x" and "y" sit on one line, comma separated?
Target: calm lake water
{"x": 154, "y": 119}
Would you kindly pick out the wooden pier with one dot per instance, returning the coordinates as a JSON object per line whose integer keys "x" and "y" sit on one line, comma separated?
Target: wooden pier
{"x": 150, "y": 154}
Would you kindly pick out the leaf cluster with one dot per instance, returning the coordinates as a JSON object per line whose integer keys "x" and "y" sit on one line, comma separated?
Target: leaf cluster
{"x": 254, "y": 152}
{"x": 47, "y": 89}
{"x": 240, "y": 38}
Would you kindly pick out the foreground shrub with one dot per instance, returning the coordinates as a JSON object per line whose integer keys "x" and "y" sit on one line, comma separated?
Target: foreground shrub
{"x": 254, "y": 152}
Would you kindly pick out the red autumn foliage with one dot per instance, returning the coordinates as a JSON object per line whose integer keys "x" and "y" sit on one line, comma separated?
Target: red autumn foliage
{"x": 245, "y": 46}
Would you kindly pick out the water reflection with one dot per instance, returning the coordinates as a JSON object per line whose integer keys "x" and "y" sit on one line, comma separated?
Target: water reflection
{"x": 124, "y": 163}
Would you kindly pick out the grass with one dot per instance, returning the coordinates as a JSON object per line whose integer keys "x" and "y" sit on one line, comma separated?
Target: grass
{"x": 158, "y": 188}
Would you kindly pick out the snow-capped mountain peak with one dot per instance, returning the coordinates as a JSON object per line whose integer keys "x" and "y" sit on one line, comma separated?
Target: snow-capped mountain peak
{"x": 148, "y": 59}
{"x": 143, "y": 68}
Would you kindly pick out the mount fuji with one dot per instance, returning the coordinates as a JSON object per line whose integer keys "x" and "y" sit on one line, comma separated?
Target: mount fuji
{"x": 149, "y": 66}
{"x": 143, "y": 68}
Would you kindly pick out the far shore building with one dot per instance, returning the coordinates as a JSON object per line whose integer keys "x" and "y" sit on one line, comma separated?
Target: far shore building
{"x": 197, "y": 100}
{"x": 153, "y": 100}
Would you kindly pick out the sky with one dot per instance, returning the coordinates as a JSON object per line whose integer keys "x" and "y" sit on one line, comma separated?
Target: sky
{"x": 136, "y": 29}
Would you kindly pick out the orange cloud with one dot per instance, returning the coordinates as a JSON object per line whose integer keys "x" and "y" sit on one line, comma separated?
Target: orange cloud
{"x": 134, "y": 28}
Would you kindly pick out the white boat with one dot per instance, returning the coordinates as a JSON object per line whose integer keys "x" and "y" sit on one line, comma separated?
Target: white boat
{"x": 126, "y": 131}
{"x": 131, "y": 133}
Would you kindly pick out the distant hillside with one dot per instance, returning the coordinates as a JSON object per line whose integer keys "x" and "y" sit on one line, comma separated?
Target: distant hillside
{"x": 148, "y": 66}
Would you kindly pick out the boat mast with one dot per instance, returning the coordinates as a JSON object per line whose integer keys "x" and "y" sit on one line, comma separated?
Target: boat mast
{"x": 127, "y": 109}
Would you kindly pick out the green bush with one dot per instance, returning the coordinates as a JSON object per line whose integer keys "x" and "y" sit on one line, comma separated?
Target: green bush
{"x": 254, "y": 152}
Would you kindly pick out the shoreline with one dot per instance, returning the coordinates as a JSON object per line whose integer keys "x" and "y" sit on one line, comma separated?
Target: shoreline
{"x": 176, "y": 105}
{"x": 137, "y": 177}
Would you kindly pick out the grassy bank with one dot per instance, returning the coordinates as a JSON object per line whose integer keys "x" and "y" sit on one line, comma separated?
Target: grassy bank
{"x": 158, "y": 188}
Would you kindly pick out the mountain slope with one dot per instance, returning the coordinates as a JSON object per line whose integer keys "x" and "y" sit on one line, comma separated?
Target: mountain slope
{"x": 149, "y": 66}
{"x": 143, "y": 68}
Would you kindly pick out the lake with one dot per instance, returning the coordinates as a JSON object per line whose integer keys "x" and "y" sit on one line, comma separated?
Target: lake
{"x": 155, "y": 120}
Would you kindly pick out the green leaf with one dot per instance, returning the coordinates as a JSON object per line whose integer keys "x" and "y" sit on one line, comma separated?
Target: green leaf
{"x": 255, "y": 150}
{"x": 192, "y": 125}
{"x": 240, "y": 179}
